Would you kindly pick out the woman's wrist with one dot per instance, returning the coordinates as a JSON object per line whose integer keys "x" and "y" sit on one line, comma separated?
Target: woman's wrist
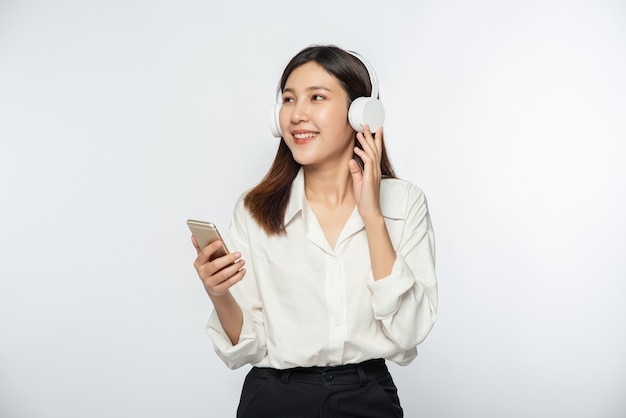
{"x": 374, "y": 221}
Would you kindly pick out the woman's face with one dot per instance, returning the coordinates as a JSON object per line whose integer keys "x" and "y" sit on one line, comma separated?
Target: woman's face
{"x": 314, "y": 117}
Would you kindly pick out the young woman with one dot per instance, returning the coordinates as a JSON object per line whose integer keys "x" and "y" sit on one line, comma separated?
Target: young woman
{"x": 339, "y": 259}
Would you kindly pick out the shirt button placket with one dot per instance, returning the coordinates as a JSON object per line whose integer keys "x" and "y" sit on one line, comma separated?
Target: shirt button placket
{"x": 335, "y": 296}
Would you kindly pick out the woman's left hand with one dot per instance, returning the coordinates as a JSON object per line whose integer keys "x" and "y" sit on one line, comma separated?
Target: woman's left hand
{"x": 367, "y": 181}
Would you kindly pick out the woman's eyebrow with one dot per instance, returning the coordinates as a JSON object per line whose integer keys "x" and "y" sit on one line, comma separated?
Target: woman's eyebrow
{"x": 291, "y": 90}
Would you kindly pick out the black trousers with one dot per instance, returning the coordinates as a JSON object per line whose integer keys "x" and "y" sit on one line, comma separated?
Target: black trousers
{"x": 364, "y": 390}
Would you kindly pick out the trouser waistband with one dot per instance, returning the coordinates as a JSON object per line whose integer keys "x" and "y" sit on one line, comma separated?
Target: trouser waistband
{"x": 348, "y": 374}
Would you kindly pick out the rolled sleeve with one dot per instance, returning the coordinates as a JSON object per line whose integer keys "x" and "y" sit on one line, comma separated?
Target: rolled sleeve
{"x": 247, "y": 350}
{"x": 387, "y": 292}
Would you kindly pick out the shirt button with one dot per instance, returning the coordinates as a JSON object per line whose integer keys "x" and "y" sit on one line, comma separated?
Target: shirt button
{"x": 337, "y": 322}
{"x": 333, "y": 261}
{"x": 328, "y": 376}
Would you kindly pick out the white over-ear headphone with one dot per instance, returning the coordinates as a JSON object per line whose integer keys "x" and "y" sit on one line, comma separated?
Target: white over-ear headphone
{"x": 363, "y": 110}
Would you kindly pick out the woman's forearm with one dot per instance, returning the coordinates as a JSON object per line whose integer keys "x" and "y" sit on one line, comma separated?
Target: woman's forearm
{"x": 229, "y": 314}
{"x": 382, "y": 253}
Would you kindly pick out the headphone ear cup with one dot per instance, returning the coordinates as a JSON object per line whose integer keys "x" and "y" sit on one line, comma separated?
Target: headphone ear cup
{"x": 274, "y": 121}
{"x": 366, "y": 111}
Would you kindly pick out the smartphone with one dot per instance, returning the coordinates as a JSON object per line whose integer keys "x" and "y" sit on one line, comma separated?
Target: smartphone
{"x": 206, "y": 233}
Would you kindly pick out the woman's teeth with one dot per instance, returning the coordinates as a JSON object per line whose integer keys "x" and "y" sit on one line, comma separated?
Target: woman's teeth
{"x": 304, "y": 136}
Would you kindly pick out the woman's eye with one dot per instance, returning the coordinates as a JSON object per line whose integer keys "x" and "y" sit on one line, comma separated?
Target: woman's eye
{"x": 318, "y": 97}
{"x": 287, "y": 99}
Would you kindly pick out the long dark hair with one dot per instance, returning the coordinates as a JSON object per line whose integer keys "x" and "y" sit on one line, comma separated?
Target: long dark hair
{"x": 267, "y": 201}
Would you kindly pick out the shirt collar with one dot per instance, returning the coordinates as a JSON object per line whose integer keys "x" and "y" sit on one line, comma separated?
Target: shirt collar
{"x": 296, "y": 197}
{"x": 390, "y": 205}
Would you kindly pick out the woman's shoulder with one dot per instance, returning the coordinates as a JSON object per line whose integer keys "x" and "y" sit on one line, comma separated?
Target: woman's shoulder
{"x": 397, "y": 196}
{"x": 240, "y": 203}
{"x": 399, "y": 186}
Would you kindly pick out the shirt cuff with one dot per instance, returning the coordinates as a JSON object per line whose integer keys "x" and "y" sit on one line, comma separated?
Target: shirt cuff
{"x": 247, "y": 350}
{"x": 388, "y": 291}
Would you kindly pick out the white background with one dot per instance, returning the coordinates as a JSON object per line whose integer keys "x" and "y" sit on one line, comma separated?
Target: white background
{"x": 121, "y": 119}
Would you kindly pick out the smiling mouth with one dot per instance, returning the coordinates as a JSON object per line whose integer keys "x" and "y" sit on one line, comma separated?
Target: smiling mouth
{"x": 303, "y": 138}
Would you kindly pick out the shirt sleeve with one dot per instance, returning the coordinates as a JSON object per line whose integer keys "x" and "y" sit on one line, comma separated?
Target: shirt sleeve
{"x": 405, "y": 302}
{"x": 251, "y": 346}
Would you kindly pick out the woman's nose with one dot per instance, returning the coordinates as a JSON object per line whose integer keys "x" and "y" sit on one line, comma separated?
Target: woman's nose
{"x": 300, "y": 111}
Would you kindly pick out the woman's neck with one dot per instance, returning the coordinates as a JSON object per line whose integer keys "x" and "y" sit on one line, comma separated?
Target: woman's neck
{"x": 331, "y": 187}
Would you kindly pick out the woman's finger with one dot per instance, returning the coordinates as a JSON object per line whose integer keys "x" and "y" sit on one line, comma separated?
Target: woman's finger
{"x": 366, "y": 139}
{"x": 223, "y": 286}
{"x": 220, "y": 280}
{"x": 365, "y": 157}
{"x": 378, "y": 140}
{"x": 195, "y": 244}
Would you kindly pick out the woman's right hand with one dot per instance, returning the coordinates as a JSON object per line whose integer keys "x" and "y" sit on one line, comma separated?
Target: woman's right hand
{"x": 219, "y": 274}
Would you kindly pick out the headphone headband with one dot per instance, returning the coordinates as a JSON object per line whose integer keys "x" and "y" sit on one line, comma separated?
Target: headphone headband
{"x": 370, "y": 72}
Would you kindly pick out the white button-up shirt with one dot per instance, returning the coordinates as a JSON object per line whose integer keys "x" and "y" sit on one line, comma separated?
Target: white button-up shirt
{"x": 307, "y": 304}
